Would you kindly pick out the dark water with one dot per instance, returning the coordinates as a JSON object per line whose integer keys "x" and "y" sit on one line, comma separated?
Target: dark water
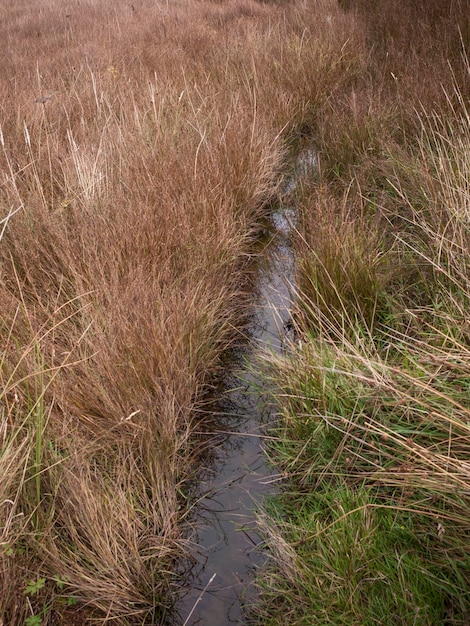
{"x": 227, "y": 549}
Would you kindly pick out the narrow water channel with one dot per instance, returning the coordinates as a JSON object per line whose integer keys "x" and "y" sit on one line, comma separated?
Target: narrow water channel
{"x": 226, "y": 545}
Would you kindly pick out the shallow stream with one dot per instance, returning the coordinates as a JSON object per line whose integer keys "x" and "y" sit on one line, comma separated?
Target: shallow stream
{"x": 227, "y": 549}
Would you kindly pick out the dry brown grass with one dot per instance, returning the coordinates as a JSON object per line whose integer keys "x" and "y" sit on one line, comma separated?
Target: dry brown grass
{"x": 140, "y": 144}
{"x": 414, "y": 60}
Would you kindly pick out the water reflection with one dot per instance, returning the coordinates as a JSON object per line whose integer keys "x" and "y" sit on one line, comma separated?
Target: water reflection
{"x": 226, "y": 545}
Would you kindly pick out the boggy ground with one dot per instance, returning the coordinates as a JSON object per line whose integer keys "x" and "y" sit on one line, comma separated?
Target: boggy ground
{"x": 140, "y": 143}
{"x": 372, "y": 526}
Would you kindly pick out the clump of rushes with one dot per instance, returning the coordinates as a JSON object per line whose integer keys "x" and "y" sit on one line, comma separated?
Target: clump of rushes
{"x": 372, "y": 524}
{"x": 348, "y": 269}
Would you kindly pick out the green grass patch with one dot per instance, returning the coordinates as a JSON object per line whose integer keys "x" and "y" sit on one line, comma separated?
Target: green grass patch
{"x": 356, "y": 562}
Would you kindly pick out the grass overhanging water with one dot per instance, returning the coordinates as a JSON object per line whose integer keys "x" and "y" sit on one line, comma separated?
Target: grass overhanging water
{"x": 372, "y": 526}
{"x": 140, "y": 144}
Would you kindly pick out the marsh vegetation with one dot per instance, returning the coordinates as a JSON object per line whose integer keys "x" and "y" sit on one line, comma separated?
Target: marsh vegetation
{"x": 140, "y": 146}
{"x": 372, "y": 526}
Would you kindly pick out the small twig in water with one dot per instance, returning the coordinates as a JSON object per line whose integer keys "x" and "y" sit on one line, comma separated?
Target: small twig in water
{"x": 199, "y": 598}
